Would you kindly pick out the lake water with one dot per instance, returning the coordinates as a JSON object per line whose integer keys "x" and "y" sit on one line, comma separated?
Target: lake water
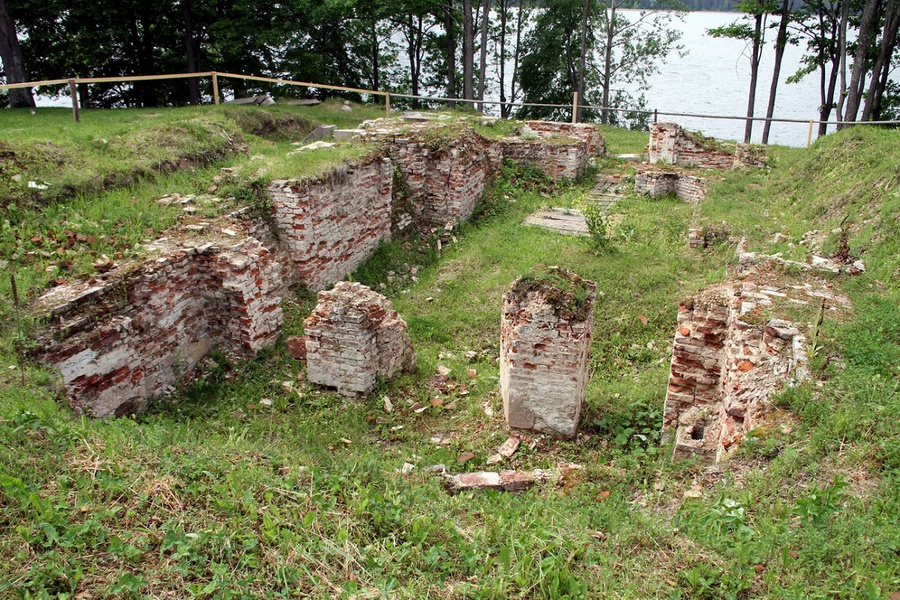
{"x": 713, "y": 78}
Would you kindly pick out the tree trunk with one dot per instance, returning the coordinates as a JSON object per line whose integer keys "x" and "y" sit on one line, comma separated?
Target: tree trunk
{"x": 517, "y": 54}
{"x": 780, "y": 43}
{"x": 192, "y": 51}
{"x": 450, "y": 27}
{"x": 13, "y": 65}
{"x": 468, "y": 51}
{"x": 414, "y": 29}
{"x": 482, "y": 65}
{"x": 754, "y": 72}
{"x": 845, "y": 17}
{"x": 582, "y": 60}
{"x": 858, "y": 75}
{"x": 882, "y": 63}
{"x": 376, "y": 74}
{"x": 504, "y": 7}
{"x": 607, "y": 60}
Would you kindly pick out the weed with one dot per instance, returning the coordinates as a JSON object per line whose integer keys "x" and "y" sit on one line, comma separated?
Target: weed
{"x": 819, "y": 504}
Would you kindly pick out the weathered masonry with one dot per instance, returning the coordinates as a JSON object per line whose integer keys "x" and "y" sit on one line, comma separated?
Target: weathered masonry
{"x": 354, "y": 336}
{"x": 545, "y": 339}
{"x": 672, "y": 145}
{"x": 658, "y": 183}
{"x": 332, "y": 224}
{"x": 127, "y": 335}
{"x": 730, "y": 355}
{"x": 120, "y": 342}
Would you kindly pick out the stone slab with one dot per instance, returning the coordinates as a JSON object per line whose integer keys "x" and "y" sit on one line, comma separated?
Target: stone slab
{"x": 567, "y": 221}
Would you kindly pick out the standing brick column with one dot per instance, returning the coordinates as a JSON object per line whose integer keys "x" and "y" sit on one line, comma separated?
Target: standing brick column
{"x": 353, "y": 336}
{"x": 545, "y": 338}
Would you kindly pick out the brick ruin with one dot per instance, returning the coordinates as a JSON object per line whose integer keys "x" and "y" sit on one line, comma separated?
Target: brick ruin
{"x": 445, "y": 174}
{"x": 563, "y": 158}
{"x": 672, "y": 145}
{"x": 730, "y": 354}
{"x": 332, "y": 224}
{"x": 658, "y": 183}
{"x": 127, "y": 335}
{"x": 353, "y": 337}
{"x": 596, "y": 143}
{"x": 545, "y": 338}
{"x": 120, "y": 341}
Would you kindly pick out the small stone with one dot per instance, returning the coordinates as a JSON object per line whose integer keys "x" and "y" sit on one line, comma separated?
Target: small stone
{"x": 472, "y": 373}
{"x": 471, "y": 356}
{"x": 437, "y": 402}
{"x": 465, "y": 457}
{"x": 509, "y": 447}
{"x": 494, "y": 459}
{"x": 265, "y": 401}
{"x": 228, "y": 231}
{"x": 443, "y": 371}
{"x": 388, "y": 405}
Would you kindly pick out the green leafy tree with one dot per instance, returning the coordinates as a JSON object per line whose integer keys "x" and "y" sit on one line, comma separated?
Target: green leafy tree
{"x": 752, "y": 29}
{"x": 591, "y": 46}
{"x": 11, "y": 56}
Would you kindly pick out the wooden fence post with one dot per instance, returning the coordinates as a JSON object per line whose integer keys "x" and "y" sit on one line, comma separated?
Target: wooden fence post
{"x": 387, "y": 105}
{"x": 215, "y": 82}
{"x": 74, "y": 91}
{"x": 575, "y": 107}
{"x": 809, "y": 137}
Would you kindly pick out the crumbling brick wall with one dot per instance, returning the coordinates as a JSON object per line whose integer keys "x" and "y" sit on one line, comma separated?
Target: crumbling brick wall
{"x": 658, "y": 183}
{"x": 121, "y": 342}
{"x": 545, "y": 336}
{"x": 725, "y": 366}
{"x": 596, "y": 143}
{"x": 671, "y": 144}
{"x": 331, "y": 224}
{"x": 559, "y": 158}
{"x": 445, "y": 171}
{"x": 353, "y": 337}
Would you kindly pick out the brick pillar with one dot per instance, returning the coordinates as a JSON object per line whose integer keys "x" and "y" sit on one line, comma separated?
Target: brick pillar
{"x": 353, "y": 336}
{"x": 545, "y": 338}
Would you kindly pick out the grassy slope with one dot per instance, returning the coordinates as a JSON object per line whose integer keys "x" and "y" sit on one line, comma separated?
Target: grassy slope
{"x": 104, "y": 175}
{"x": 215, "y": 495}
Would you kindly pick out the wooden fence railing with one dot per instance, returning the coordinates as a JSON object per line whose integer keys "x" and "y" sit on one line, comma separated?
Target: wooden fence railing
{"x": 574, "y": 106}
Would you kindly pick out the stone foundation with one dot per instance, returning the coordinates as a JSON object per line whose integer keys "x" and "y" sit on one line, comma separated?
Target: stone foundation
{"x": 353, "y": 337}
{"x": 727, "y": 361}
{"x": 120, "y": 342}
{"x": 445, "y": 172}
{"x": 596, "y": 143}
{"x": 332, "y": 224}
{"x": 126, "y": 336}
{"x": 545, "y": 337}
{"x": 671, "y": 144}
{"x": 657, "y": 183}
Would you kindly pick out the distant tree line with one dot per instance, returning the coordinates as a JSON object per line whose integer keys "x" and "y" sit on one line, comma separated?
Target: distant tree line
{"x": 536, "y": 51}
{"x": 851, "y": 45}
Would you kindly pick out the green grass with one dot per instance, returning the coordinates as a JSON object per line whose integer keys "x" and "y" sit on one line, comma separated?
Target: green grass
{"x": 214, "y": 494}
